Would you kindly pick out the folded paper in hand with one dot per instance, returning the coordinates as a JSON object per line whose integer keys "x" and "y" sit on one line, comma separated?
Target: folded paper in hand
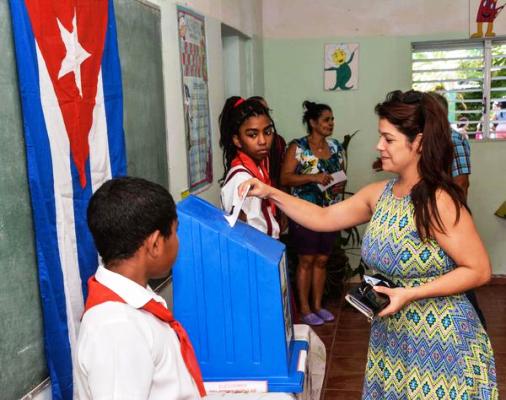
{"x": 337, "y": 177}
{"x": 236, "y": 207}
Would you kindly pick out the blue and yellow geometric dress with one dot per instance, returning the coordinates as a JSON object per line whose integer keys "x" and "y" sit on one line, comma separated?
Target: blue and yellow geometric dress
{"x": 434, "y": 348}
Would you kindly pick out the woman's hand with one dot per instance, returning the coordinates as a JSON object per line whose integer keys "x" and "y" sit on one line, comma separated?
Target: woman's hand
{"x": 399, "y": 298}
{"x": 256, "y": 188}
{"x": 338, "y": 188}
{"x": 322, "y": 178}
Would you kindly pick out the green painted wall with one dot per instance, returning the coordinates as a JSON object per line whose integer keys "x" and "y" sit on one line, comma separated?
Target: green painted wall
{"x": 293, "y": 70}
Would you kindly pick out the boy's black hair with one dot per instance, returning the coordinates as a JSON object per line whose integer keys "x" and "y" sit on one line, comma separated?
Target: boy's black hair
{"x": 123, "y": 212}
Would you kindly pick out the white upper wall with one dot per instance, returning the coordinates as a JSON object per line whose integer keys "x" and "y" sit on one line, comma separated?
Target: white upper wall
{"x": 330, "y": 18}
{"x": 243, "y": 15}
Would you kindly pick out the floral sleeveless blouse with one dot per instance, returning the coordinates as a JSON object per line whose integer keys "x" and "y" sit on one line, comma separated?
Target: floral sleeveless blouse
{"x": 309, "y": 163}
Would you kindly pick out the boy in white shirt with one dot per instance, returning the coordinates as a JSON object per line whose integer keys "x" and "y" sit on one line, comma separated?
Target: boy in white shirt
{"x": 129, "y": 345}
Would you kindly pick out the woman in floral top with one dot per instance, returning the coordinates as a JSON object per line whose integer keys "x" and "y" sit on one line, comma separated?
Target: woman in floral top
{"x": 309, "y": 162}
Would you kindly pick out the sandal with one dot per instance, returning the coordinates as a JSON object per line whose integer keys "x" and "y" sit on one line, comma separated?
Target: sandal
{"x": 312, "y": 319}
{"x": 325, "y": 315}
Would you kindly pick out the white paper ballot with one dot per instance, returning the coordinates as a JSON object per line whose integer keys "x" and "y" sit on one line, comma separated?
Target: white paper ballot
{"x": 337, "y": 177}
{"x": 371, "y": 281}
{"x": 236, "y": 207}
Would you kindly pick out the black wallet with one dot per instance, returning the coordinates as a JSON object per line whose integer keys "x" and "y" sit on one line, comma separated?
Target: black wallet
{"x": 365, "y": 299}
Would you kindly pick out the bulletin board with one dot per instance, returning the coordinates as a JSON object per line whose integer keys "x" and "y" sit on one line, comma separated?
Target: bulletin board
{"x": 193, "y": 58}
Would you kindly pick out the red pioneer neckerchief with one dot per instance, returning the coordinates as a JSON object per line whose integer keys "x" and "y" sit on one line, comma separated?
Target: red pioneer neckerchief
{"x": 259, "y": 171}
{"x": 98, "y": 294}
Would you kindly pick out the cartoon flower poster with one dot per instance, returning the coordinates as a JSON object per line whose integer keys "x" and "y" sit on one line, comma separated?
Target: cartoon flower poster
{"x": 341, "y": 66}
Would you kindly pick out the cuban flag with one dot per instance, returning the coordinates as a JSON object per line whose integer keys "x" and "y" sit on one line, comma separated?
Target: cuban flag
{"x": 70, "y": 86}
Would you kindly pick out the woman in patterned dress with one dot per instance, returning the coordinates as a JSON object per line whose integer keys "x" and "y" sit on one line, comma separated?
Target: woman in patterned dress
{"x": 309, "y": 164}
{"x": 428, "y": 343}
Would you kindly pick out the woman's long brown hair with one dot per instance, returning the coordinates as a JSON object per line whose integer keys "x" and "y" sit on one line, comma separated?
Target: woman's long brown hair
{"x": 414, "y": 112}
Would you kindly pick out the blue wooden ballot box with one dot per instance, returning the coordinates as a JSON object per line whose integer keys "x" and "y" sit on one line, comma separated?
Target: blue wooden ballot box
{"x": 231, "y": 294}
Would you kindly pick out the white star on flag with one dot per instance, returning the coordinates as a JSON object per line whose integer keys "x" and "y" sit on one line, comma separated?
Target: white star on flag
{"x": 76, "y": 54}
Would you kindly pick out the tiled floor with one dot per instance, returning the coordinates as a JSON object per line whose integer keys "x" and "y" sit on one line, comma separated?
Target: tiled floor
{"x": 346, "y": 340}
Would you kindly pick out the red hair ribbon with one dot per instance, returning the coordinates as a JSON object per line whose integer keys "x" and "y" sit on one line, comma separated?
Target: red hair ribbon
{"x": 238, "y": 102}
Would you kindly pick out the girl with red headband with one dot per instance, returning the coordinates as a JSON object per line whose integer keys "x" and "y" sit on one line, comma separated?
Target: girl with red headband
{"x": 246, "y": 134}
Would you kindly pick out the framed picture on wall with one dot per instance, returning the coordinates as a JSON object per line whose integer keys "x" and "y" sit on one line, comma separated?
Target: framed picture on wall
{"x": 487, "y": 18}
{"x": 341, "y": 66}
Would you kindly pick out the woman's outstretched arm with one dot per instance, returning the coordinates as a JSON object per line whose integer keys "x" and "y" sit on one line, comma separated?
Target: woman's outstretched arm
{"x": 353, "y": 211}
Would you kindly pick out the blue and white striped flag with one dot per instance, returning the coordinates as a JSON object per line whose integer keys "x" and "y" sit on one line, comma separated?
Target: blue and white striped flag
{"x": 70, "y": 86}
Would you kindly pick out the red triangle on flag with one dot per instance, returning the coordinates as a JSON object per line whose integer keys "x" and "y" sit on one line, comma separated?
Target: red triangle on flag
{"x": 71, "y": 35}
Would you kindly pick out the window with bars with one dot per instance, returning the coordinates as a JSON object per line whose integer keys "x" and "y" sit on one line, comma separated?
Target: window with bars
{"x": 472, "y": 76}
